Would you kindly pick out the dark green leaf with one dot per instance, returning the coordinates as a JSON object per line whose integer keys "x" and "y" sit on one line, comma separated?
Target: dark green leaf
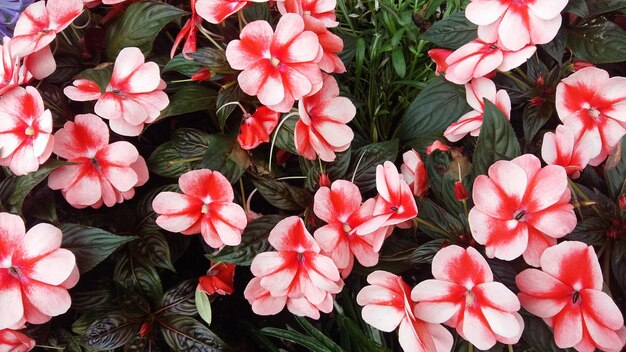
{"x": 398, "y": 62}
{"x": 425, "y": 253}
{"x": 139, "y": 26}
{"x": 496, "y": 141}
{"x": 503, "y": 272}
{"x": 152, "y": 249}
{"x": 598, "y": 7}
{"x": 188, "y": 99}
{"x": 90, "y": 245}
{"x": 360, "y": 341}
{"x": 182, "y": 65}
{"x": 186, "y": 334}
{"x": 166, "y": 161}
{"x": 190, "y": 142}
{"x": 109, "y": 333}
{"x": 213, "y": 59}
{"x": 618, "y": 264}
{"x": 225, "y": 155}
{"x": 229, "y": 95}
{"x": 539, "y": 336}
{"x": 591, "y": 231}
{"x": 434, "y": 109}
{"x": 25, "y": 184}
{"x": 131, "y": 302}
{"x": 257, "y": 12}
{"x": 308, "y": 342}
{"x": 100, "y": 74}
{"x": 95, "y": 296}
{"x": 365, "y": 159}
{"x": 133, "y": 274}
{"x": 253, "y": 242}
{"x": 284, "y": 135}
{"x": 556, "y": 47}
{"x": 443, "y": 173}
{"x": 283, "y": 195}
{"x": 180, "y": 299}
{"x": 577, "y": 7}
{"x": 599, "y": 42}
{"x": 451, "y": 32}
{"x": 535, "y": 117}
{"x": 615, "y": 170}
{"x": 335, "y": 170}
{"x": 433, "y": 213}
{"x": 324, "y": 340}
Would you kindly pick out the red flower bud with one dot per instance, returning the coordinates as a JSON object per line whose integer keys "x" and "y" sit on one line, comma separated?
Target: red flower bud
{"x": 622, "y": 201}
{"x": 324, "y": 180}
{"x": 202, "y": 75}
{"x": 536, "y": 101}
{"x": 145, "y": 329}
{"x": 460, "y": 192}
{"x": 540, "y": 81}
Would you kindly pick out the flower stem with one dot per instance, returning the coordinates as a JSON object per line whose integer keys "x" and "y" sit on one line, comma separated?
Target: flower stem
{"x": 470, "y": 347}
{"x": 432, "y": 226}
{"x": 510, "y": 348}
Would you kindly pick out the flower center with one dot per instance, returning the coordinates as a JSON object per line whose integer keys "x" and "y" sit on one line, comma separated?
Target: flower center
{"x": 275, "y": 62}
{"x": 394, "y": 208}
{"x": 347, "y": 228}
{"x": 576, "y": 297}
{"x": 300, "y": 257}
{"x": 593, "y": 112}
{"x": 470, "y": 298}
{"x": 307, "y": 13}
{"x": 95, "y": 163}
{"x": 30, "y": 131}
{"x": 519, "y": 215}
{"x": 15, "y": 272}
{"x": 205, "y": 209}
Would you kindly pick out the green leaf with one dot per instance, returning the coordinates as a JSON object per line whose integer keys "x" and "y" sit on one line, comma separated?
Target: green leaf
{"x": 443, "y": 173}
{"x": 434, "y": 109}
{"x": 229, "y": 95}
{"x": 361, "y": 341}
{"x": 90, "y": 245}
{"x": 190, "y": 142}
{"x": 283, "y": 195}
{"x": 425, "y": 253}
{"x": 433, "y": 213}
{"x": 599, "y": 42}
{"x": 615, "y": 170}
{"x": 539, "y": 336}
{"x": 224, "y": 154}
{"x": 139, "y": 26}
{"x": 186, "y": 334}
{"x": 100, "y": 74}
{"x": 109, "y": 333}
{"x": 152, "y": 249}
{"x": 308, "y": 342}
{"x": 189, "y": 98}
{"x": 451, "y": 32}
{"x": 179, "y": 300}
{"x": 335, "y": 170}
{"x": 284, "y": 135}
{"x": 257, "y": 12}
{"x": 25, "y": 184}
{"x": 203, "y": 305}
{"x": 166, "y": 161}
{"x": 182, "y": 65}
{"x": 496, "y": 141}
{"x": 535, "y": 117}
{"x": 618, "y": 263}
{"x": 327, "y": 342}
{"x": 365, "y": 160}
{"x": 577, "y": 7}
{"x": 591, "y": 231}
{"x": 144, "y": 278}
{"x": 598, "y": 7}
{"x": 132, "y": 303}
{"x": 398, "y": 62}
{"x": 213, "y": 59}
{"x": 253, "y": 242}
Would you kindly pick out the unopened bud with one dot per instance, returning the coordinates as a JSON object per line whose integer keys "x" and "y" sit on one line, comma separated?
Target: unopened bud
{"x": 145, "y": 329}
{"x": 324, "y": 180}
{"x": 460, "y": 191}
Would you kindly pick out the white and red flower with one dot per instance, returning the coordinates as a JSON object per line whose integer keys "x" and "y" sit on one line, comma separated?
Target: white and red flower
{"x": 341, "y": 239}
{"x": 567, "y": 294}
{"x": 395, "y": 203}
{"x": 463, "y": 295}
{"x": 256, "y": 128}
{"x": 13, "y": 71}
{"x": 15, "y": 341}
{"x": 320, "y": 10}
{"x": 572, "y": 149}
{"x": 515, "y": 24}
{"x": 219, "y": 279}
{"x": 592, "y": 101}
{"x": 295, "y": 274}
{"x": 322, "y": 129}
{"x": 278, "y": 67}
{"x": 189, "y": 33}
{"x": 100, "y": 173}
{"x": 414, "y": 173}
{"x": 205, "y": 206}
{"x": 35, "y": 273}
{"x": 216, "y": 11}
{"x": 133, "y": 97}
{"x": 476, "y": 91}
{"x": 26, "y": 139}
{"x": 387, "y": 305}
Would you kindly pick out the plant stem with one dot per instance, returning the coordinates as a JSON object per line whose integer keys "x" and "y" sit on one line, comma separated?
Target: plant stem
{"x": 432, "y": 226}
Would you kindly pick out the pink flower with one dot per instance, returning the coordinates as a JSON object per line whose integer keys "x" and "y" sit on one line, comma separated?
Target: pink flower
{"x": 12, "y": 70}
{"x": 206, "y": 206}
{"x": 414, "y": 173}
{"x": 572, "y": 149}
{"x": 521, "y": 208}
{"x": 591, "y": 101}
{"x": 256, "y": 128}
{"x": 26, "y": 139}
{"x": 439, "y": 57}
{"x": 101, "y": 173}
{"x": 567, "y": 294}
{"x": 515, "y": 23}
{"x": 188, "y": 32}
{"x": 322, "y": 129}
{"x": 475, "y": 91}
{"x": 37, "y": 27}
{"x": 330, "y": 43}
{"x": 463, "y": 295}
{"x": 278, "y": 67}
{"x": 219, "y": 279}
{"x": 478, "y": 59}
{"x": 321, "y": 10}
{"x": 342, "y": 239}
{"x": 15, "y": 341}
{"x": 35, "y": 273}
{"x": 394, "y": 203}
{"x": 437, "y": 145}
{"x": 388, "y": 304}
{"x": 216, "y": 11}
{"x": 296, "y": 270}
{"x": 133, "y": 97}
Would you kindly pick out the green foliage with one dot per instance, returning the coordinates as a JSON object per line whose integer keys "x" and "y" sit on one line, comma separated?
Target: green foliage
{"x": 366, "y": 159}
{"x": 599, "y": 42}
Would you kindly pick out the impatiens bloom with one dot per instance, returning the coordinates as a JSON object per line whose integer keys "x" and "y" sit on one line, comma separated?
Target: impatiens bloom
{"x": 133, "y": 97}
{"x": 567, "y": 294}
{"x": 278, "y": 67}
{"x": 572, "y": 149}
{"x": 296, "y": 270}
{"x": 521, "y": 208}
{"x": 591, "y": 101}
{"x": 322, "y": 129}
{"x": 15, "y": 341}
{"x": 439, "y": 57}
{"x": 330, "y": 43}
{"x": 26, "y": 139}
{"x": 414, "y": 173}
{"x": 216, "y": 11}
{"x": 256, "y": 128}
{"x": 476, "y": 91}
{"x": 478, "y": 59}
{"x": 188, "y": 32}
{"x": 12, "y": 70}
{"x": 387, "y": 304}
{"x": 515, "y": 23}
{"x": 100, "y": 173}
{"x": 321, "y": 10}
{"x": 206, "y": 206}
{"x": 341, "y": 239}
{"x": 35, "y": 273}
{"x": 219, "y": 279}
{"x": 463, "y": 295}
{"x": 395, "y": 202}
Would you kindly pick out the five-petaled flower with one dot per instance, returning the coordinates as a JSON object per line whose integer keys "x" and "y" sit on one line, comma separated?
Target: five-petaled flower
{"x": 521, "y": 208}
{"x": 387, "y": 304}
{"x": 320, "y": 10}
{"x": 35, "y": 273}
{"x": 100, "y": 173}
{"x": 463, "y": 295}
{"x": 414, "y": 173}
{"x": 567, "y": 294}
{"x": 569, "y": 147}
{"x": 395, "y": 203}
{"x": 205, "y": 206}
